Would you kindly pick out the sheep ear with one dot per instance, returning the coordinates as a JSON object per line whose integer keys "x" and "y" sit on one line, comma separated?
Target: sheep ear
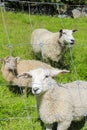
{"x": 74, "y": 30}
{"x": 24, "y": 75}
{"x": 60, "y": 32}
{"x": 55, "y": 72}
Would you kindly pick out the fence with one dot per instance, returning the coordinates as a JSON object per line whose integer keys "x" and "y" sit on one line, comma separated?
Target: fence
{"x": 18, "y": 112}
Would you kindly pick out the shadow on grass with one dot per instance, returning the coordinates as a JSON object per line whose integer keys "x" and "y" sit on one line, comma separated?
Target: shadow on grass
{"x": 74, "y": 125}
{"x": 18, "y": 90}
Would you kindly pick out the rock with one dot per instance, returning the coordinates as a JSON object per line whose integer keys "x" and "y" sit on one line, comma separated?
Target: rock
{"x": 63, "y": 16}
{"x": 84, "y": 11}
{"x": 76, "y": 13}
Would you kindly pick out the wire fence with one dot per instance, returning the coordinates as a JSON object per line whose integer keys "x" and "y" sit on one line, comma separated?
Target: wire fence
{"x": 18, "y": 112}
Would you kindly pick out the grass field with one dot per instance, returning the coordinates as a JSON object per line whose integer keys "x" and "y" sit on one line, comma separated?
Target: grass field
{"x": 18, "y": 112}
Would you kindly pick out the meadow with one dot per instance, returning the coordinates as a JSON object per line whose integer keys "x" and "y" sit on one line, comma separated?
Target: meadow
{"x": 18, "y": 112}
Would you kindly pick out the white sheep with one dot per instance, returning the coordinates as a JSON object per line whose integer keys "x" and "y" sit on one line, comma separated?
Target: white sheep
{"x": 51, "y": 45}
{"x": 12, "y": 66}
{"x": 58, "y": 103}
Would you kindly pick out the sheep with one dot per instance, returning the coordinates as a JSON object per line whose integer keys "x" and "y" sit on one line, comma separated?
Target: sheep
{"x": 9, "y": 70}
{"x": 51, "y": 45}
{"x": 12, "y": 66}
{"x": 58, "y": 103}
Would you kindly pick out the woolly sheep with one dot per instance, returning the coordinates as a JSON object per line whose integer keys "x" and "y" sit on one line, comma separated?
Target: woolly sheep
{"x": 55, "y": 103}
{"x": 51, "y": 45}
{"x": 12, "y": 66}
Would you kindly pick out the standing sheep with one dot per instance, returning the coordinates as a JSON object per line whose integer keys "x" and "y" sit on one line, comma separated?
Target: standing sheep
{"x": 55, "y": 103}
{"x": 51, "y": 45}
{"x": 12, "y": 66}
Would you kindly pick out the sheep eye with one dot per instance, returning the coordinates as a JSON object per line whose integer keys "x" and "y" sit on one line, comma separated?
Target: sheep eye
{"x": 46, "y": 76}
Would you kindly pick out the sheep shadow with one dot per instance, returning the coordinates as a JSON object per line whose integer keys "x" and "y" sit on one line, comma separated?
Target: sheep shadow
{"x": 77, "y": 125}
{"x": 18, "y": 90}
{"x": 62, "y": 63}
{"x": 74, "y": 125}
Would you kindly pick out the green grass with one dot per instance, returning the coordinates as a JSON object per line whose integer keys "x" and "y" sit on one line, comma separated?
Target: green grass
{"x": 14, "y": 107}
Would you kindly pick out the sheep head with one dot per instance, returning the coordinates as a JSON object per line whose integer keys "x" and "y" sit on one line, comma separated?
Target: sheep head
{"x": 42, "y": 79}
{"x": 66, "y": 37}
{"x": 10, "y": 62}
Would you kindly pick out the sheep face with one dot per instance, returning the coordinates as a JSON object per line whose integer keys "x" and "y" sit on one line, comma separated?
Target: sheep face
{"x": 66, "y": 37}
{"x": 10, "y": 63}
{"x": 42, "y": 79}
{"x": 39, "y": 83}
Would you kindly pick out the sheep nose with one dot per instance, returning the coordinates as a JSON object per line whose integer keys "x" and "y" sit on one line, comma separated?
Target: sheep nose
{"x": 72, "y": 41}
{"x": 35, "y": 89}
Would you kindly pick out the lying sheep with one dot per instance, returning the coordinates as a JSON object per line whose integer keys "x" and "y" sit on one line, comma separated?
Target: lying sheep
{"x": 55, "y": 103}
{"x": 12, "y": 66}
{"x": 51, "y": 45}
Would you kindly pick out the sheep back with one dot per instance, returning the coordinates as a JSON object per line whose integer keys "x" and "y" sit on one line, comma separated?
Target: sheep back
{"x": 27, "y": 65}
{"x": 38, "y": 37}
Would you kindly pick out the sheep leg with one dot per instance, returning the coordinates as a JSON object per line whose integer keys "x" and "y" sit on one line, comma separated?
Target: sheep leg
{"x": 48, "y": 127}
{"x": 25, "y": 91}
{"x": 63, "y": 125}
